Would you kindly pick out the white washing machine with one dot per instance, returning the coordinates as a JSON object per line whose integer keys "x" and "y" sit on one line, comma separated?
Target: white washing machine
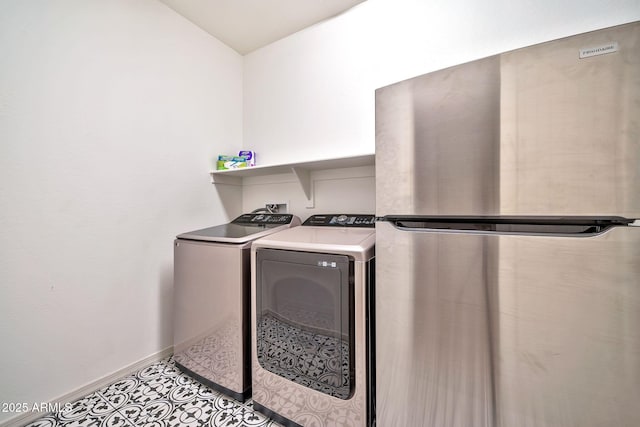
{"x": 212, "y": 301}
{"x": 312, "y": 342}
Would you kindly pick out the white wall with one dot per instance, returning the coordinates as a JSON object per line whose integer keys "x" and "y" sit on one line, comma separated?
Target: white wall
{"x": 311, "y": 96}
{"x": 346, "y": 190}
{"x": 110, "y": 115}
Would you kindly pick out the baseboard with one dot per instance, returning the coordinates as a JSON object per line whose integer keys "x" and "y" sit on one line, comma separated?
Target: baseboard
{"x": 28, "y": 417}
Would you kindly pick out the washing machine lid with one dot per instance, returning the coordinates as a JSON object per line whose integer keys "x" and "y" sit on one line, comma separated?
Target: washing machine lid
{"x": 245, "y": 228}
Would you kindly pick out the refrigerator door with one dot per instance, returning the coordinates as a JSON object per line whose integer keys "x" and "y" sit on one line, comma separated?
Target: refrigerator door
{"x": 438, "y": 142}
{"x": 507, "y": 329}
{"x": 536, "y": 131}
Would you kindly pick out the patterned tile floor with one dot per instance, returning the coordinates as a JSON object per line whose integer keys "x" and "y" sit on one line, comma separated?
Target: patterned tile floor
{"x": 158, "y": 395}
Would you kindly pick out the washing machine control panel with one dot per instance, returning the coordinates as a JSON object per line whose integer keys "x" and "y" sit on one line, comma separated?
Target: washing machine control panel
{"x": 263, "y": 219}
{"x": 341, "y": 220}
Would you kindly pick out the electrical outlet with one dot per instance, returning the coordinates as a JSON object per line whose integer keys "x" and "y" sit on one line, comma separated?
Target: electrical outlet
{"x": 277, "y": 207}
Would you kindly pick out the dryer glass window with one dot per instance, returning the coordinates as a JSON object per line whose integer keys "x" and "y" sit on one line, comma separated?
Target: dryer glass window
{"x": 304, "y": 317}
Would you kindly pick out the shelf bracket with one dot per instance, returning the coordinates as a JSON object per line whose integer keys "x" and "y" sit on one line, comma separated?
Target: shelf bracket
{"x": 304, "y": 178}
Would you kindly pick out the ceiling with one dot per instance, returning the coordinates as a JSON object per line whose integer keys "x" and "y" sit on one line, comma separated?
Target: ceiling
{"x": 246, "y": 25}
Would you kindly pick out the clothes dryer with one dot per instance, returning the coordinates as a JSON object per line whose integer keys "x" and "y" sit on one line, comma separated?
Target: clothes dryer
{"x": 312, "y": 346}
{"x": 212, "y": 300}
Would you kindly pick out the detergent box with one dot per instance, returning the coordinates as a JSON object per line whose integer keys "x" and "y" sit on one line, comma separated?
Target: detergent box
{"x": 250, "y": 156}
{"x": 231, "y": 162}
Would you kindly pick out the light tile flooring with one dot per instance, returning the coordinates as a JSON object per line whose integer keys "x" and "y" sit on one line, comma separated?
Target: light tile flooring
{"x": 158, "y": 395}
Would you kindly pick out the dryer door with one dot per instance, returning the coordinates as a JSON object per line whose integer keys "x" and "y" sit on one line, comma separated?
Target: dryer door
{"x": 305, "y": 319}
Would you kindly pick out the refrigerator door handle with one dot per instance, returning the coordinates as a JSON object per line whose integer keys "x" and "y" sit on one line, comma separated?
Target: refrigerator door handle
{"x": 565, "y": 227}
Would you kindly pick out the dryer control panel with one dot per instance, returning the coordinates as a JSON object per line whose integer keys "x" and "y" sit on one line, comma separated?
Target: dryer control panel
{"x": 341, "y": 220}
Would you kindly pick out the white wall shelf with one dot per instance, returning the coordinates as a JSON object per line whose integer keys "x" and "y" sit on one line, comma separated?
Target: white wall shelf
{"x": 301, "y": 170}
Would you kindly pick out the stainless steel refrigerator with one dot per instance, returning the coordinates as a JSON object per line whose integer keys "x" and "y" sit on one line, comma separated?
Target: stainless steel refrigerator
{"x": 508, "y": 255}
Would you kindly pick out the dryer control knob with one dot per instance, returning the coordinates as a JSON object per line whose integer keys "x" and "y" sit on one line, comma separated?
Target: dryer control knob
{"x": 342, "y": 219}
